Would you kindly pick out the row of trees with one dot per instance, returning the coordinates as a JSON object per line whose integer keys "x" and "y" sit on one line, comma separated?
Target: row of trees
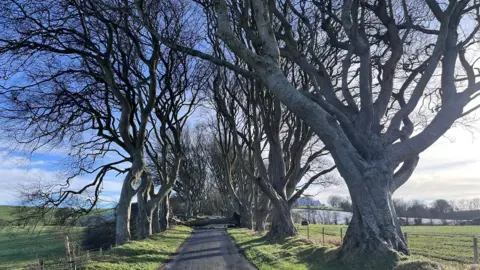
{"x": 373, "y": 83}
{"x": 101, "y": 79}
{"x": 438, "y": 209}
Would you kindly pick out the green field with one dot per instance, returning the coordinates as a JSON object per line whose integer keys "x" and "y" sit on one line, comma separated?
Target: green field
{"x": 299, "y": 254}
{"x": 449, "y": 243}
{"x": 20, "y": 247}
{"x": 7, "y": 212}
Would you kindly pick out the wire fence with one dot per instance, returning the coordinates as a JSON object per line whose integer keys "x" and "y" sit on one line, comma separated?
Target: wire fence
{"x": 458, "y": 244}
{"x": 47, "y": 249}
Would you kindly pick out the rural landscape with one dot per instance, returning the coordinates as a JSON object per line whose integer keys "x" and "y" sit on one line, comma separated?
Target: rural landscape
{"x": 239, "y": 134}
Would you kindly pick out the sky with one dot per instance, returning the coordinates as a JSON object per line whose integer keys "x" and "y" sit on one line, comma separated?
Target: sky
{"x": 450, "y": 169}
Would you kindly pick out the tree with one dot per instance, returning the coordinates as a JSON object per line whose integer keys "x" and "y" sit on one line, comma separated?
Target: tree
{"x": 364, "y": 109}
{"x": 79, "y": 78}
{"x": 440, "y": 207}
{"x": 194, "y": 186}
{"x": 86, "y": 74}
{"x": 418, "y": 209}
{"x": 294, "y": 153}
{"x": 335, "y": 201}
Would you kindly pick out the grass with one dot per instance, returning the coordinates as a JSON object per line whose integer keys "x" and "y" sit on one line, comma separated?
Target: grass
{"x": 442, "y": 243}
{"x": 20, "y": 247}
{"x": 7, "y": 212}
{"x": 145, "y": 254}
{"x": 300, "y": 254}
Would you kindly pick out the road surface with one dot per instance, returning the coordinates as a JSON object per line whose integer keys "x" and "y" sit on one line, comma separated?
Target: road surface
{"x": 209, "y": 249}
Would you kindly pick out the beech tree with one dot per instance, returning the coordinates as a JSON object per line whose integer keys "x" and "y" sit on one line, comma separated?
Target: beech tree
{"x": 87, "y": 74}
{"x": 258, "y": 122}
{"x": 394, "y": 61}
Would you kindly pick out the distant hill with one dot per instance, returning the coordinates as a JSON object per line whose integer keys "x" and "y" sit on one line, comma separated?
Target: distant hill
{"x": 304, "y": 201}
{"x": 7, "y": 212}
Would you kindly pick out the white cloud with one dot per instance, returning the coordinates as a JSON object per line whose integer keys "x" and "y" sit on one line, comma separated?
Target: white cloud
{"x": 449, "y": 169}
{"x": 17, "y": 171}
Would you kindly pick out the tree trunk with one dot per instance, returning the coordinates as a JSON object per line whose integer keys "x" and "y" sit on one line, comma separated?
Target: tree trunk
{"x": 282, "y": 222}
{"x": 144, "y": 216}
{"x": 261, "y": 215}
{"x": 123, "y": 211}
{"x": 246, "y": 218}
{"x": 165, "y": 213}
{"x": 374, "y": 230}
{"x": 156, "y": 228}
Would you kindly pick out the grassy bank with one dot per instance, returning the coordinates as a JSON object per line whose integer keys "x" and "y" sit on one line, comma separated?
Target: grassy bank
{"x": 448, "y": 243}
{"x": 144, "y": 254}
{"x": 21, "y": 247}
{"x": 297, "y": 253}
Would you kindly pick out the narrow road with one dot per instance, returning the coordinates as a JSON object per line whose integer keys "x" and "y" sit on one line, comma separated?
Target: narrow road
{"x": 209, "y": 249}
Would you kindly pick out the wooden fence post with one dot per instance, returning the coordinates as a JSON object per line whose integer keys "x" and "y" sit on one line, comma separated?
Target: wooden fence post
{"x": 67, "y": 249}
{"x": 308, "y": 232}
{"x": 341, "y": 235}
{"x": 475, "y": 250}
{"x": 405, "y": 235}
{"x": 100, "y": 251}
{"x": 41, "y": 264}
{"x": 323, "y": 234}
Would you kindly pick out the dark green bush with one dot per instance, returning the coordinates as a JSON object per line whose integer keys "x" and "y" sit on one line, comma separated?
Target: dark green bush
{"x": 99, "y": 235}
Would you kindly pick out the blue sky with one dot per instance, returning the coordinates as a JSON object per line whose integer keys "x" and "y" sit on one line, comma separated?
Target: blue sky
{"x": 450, "y": 169}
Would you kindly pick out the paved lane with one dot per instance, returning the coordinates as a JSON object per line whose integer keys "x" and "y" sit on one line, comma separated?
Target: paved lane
{"x": 209, "y": 249}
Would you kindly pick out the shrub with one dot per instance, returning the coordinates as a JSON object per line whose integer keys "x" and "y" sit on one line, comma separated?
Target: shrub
{"x": 100, "y": 235}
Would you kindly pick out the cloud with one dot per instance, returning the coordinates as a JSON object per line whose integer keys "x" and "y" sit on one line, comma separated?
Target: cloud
{"x": 17, "y": 171}
{"x": 449, "y": 169}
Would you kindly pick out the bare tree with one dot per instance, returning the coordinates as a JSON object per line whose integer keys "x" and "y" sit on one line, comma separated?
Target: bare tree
{"x": 85, "y": 74}
{"x": 401, "y": 66}
{"x": 293, "y": 152}
{"x": 335, "y": 201}
{"x": 194, "y": 186}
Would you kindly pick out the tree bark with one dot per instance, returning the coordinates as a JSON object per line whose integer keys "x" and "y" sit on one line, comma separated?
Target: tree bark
{"x": 261, "y": 212}
{"x": 282, "y": 222}
{"x": 374, "y": 230}
{"x": 156, "y": 228}
{"x": 164, "y": 213}
{"x": 144, "y": 216}
{"x": 246, "y": 218}
{"x": 123, "y": 211}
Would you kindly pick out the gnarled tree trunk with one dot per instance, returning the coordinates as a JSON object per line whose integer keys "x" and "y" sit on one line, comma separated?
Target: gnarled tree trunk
{"x": 144, "y": 215}
{"x": 156, "y": 228}
{"x": 246, "y": 218}
{"x": 282, "y": 222}
{"x": 262, "y": 211}
{"x": 374, "y": 230}
{"x": 164, "y": 213}
{"x": 123, "y": 211}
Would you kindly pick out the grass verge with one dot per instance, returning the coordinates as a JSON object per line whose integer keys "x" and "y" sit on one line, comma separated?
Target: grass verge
{"x": 300, "y": 254}
{"x": 145, "y": 254}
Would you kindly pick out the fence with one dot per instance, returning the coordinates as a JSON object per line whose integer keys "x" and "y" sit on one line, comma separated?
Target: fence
{"x": 45, "y": 250}
{"x": 75, "y": 257}
{"x": 458, "y": 247}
